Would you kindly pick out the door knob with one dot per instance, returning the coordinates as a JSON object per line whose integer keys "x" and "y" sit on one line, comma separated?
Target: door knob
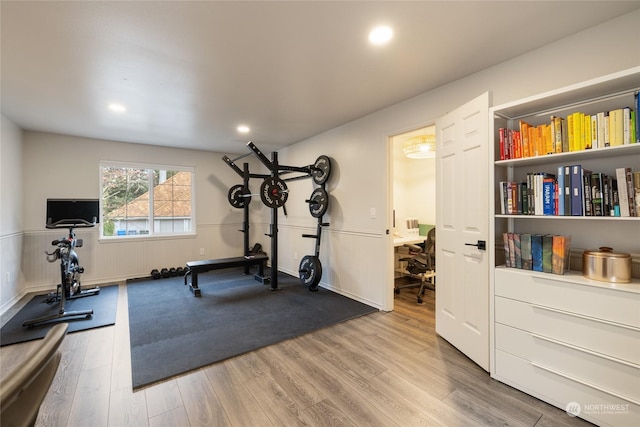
{"x": 482, "y": 245}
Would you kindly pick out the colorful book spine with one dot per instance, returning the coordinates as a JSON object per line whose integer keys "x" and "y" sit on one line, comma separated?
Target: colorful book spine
{"x": 525, "y": 245}
{"x": 560, "y": 191}
{"x": 616, "y": 127}
{"x": 567, "y": 190}
{"x": 586, "y": 132}
{"x": 507, "y": 256}
{"x": 596, "y": 194}
{"x": 547, "y": 252}
{"x": 626, "y": 126}
{"x": 560, "y": 254}
{"x": 512, "y": 250}
{"x": 517, "y": 246}
{"x": 631, "y": 193}
{"x": 632, "y": 127}
{"x": 548, "y": 196}
{"x": 601, "y": 129}
{"x": 588, "y": 204}
{"x": 594, "y": 131}
{"x": 623, "y": 195}
{"x": 576, "y": 190}
{"x": 636, "y": 98}
{"x": 536, "y": 252}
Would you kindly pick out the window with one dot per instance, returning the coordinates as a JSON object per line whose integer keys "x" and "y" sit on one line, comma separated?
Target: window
{"x": 139, "y": 200}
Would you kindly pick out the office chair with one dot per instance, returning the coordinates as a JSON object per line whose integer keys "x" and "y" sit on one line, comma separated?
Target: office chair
{"x": 422, "y": 263}
{"x": 24, "y": 388}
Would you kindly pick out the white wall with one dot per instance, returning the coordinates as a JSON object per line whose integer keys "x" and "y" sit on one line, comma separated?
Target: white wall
{"x": 414, "y": 188}
{"x": 11, "y": 281}
{"x": 356, "y": 251}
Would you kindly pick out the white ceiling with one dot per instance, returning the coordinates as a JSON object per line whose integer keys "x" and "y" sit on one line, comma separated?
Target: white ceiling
{"x": 191, "y": 72}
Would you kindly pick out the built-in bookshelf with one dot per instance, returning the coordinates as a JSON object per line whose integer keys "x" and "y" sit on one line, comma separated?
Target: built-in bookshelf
{"x": 562, "y": 337}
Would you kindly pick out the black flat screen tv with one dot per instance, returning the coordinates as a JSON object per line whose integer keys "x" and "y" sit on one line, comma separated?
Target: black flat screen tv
{"x": 72, "y": 211}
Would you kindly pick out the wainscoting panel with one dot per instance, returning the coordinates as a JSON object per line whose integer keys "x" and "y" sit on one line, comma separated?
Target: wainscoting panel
{"x": 357, "y": 275}
{"x": 11, "y": 280}
{"x": 107, "y": 261}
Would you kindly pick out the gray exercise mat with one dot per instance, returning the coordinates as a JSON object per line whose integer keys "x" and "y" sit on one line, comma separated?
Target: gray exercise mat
{"x": 173, "y": 332}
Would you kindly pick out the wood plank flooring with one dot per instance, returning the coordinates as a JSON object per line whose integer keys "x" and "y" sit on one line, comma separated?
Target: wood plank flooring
{"x": 384, "y": 369}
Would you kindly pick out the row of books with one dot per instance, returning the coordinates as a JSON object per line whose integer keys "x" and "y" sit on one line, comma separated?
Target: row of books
{"x": 537, "y": 252}
{"x": 576, "y": 132}
{"x": 573, "y": 191}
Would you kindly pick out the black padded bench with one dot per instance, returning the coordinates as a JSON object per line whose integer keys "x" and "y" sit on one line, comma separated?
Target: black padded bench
{"x": 196, "y": 267}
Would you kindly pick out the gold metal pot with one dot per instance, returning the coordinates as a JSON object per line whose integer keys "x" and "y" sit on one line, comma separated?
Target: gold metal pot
{"x": 606, "y": 266}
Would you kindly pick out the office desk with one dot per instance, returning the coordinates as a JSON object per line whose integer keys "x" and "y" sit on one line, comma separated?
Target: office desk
{"x": 399, "y": 241}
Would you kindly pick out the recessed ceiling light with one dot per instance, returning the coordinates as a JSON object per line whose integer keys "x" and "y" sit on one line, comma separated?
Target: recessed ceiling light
{"x": 380, "y": 35}
{"x": 117, "y": 108}
{"x": 243, "y": 129}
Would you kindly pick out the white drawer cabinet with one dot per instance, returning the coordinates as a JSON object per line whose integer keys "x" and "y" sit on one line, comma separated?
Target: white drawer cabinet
{"x": 565, "y": 339}
{"x": 620, "y": 378}
{"x": 618, "y": 303}
{"x": 556, "y": 388}
{"x": 592, "y": 334}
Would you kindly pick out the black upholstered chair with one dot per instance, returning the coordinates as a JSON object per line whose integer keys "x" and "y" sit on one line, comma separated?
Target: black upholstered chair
{"x": 422, "y": 262}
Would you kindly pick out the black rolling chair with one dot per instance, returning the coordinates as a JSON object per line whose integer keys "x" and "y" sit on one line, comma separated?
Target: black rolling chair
{"x": 422, "y": 263}
{"x": 24, "y": 388}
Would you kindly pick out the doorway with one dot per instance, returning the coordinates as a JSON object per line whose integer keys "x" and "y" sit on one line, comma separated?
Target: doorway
{"x": 413, "y": 199}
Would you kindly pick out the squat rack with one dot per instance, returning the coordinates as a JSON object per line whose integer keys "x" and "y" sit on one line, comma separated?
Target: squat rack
{"x": 273, "y": 192}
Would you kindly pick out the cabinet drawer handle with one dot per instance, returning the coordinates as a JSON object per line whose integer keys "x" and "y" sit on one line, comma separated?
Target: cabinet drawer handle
{"x": 584, "y": 350}
{"x": 582, "y": 316}
{"x": 609, "y": 392}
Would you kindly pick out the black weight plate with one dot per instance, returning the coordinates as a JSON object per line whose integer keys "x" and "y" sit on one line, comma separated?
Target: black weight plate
{"x": 321, "y": 170}
{"x": 238, "y": 196}
{"x": 274, "y": 192}
{"x": 319, "y": 202}
{"x": 310, "y": 271}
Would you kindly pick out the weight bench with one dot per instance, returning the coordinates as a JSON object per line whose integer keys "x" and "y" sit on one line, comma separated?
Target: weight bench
{"x": 196, "y": 267}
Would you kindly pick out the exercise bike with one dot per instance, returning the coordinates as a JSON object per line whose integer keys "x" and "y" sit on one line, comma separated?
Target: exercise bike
{"x": 70, "y": 271}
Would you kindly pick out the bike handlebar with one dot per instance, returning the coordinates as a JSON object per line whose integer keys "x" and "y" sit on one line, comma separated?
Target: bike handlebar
{"x": 72, "y": 223}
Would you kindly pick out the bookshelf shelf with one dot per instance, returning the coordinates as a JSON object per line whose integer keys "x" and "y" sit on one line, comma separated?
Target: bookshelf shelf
{"x": 530, "y": 309}
{"x": 575, "y": 156}
{"x": 570, "y": 218}
{"x": 576, "y": 277}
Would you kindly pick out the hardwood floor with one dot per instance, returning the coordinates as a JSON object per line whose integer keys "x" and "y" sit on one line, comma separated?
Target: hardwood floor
{"x": 384, "y": 369}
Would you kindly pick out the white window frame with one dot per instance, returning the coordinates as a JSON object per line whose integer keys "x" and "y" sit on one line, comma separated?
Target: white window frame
{"x": 151, "y": 233}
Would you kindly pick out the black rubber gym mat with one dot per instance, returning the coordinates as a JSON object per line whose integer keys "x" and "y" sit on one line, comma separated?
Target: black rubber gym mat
{"x": 173, "y": 332}
{"x": 103, "y": 304}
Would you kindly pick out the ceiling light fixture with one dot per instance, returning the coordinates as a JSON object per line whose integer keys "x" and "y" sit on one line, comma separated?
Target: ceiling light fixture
{"x": 420, "y": 147}
{"x": 117, "y": 108}
{"x": 243, "y": 129}
{"x": 380, "y": 35}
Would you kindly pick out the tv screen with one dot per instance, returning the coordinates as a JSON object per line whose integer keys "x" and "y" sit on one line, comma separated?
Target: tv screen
{"x": 72, "y": 211}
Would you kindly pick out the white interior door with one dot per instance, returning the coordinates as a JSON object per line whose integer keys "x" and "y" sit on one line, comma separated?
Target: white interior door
{"x": 462, "y": 199}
